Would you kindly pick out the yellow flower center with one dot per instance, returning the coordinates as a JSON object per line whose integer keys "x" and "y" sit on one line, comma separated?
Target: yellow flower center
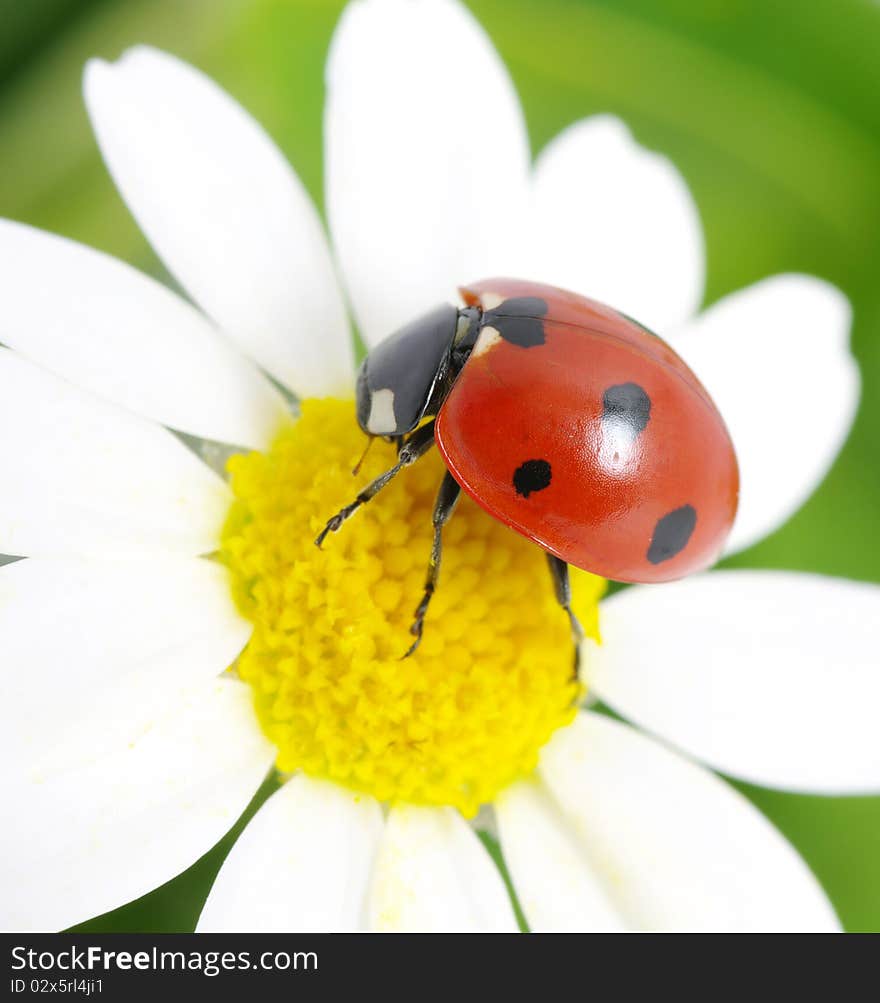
{"x": 492, "y": 680}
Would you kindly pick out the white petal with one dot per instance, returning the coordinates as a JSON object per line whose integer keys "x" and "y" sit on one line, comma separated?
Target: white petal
{"x": 769, "y": 676}
{"x": 225, "y": 212}
{"x": 111, "y": 330}
{"x": 617, "y": 223}
{"x": 426, "y": 158}
{"x": 80, "y": 476}
{"x": 303, "y": 864}
{"x": 94, "y": 651}
{"x": 775, "y": 358}
{"x": 83, "y": 842}
{"x": 434, "y": 876}
{"x": 675, "y": 847}
{"x": 556, "y": 887}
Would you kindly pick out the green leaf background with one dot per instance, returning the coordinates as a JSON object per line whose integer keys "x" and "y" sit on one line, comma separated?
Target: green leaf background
{"x": 771, "y": 111}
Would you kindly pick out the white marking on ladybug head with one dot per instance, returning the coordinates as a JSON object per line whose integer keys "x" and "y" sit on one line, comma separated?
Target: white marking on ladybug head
{"x": 489, "y": 336}
{"x": 488, "y": 301}
{"x": 382, "y": 420}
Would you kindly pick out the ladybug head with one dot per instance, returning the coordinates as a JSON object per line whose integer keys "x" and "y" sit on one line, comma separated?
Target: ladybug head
{"x": 407, "y": 376}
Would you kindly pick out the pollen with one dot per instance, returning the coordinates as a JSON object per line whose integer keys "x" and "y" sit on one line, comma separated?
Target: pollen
{"x": 492, "y": 680}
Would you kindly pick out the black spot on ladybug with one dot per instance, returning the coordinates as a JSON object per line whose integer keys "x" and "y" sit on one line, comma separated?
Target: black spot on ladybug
{"x": 533, "y": 475}
{"x": 627, "y": 404}
{"x": 671, "y": 534}
{"x": 521, "y": 306}
{"x": 519, "y": 320}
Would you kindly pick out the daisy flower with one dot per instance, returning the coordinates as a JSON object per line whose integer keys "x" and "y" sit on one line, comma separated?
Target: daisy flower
{"x": 172, "y": 635}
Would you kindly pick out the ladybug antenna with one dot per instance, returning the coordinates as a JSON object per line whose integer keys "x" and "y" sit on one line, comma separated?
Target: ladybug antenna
{"x": 357, "y": 466}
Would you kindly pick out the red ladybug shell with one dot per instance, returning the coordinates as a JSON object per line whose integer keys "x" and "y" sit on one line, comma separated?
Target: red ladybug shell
{"x": 587, "y": 434}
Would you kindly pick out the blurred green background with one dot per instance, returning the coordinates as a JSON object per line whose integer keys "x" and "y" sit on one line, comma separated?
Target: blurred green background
{"x": 770, "y": 110}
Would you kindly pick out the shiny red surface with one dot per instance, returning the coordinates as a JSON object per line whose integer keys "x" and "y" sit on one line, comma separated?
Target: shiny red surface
{"x": 609, "y": 487}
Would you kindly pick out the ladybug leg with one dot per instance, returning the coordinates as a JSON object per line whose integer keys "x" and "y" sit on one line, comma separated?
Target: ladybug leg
{"x": 415, "y": 447}
{"x": 444, "y": 506}
{"x": 562, "y": 587}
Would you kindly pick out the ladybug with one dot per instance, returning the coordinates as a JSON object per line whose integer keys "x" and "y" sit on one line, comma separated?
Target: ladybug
{"x": 567, "y": 420}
